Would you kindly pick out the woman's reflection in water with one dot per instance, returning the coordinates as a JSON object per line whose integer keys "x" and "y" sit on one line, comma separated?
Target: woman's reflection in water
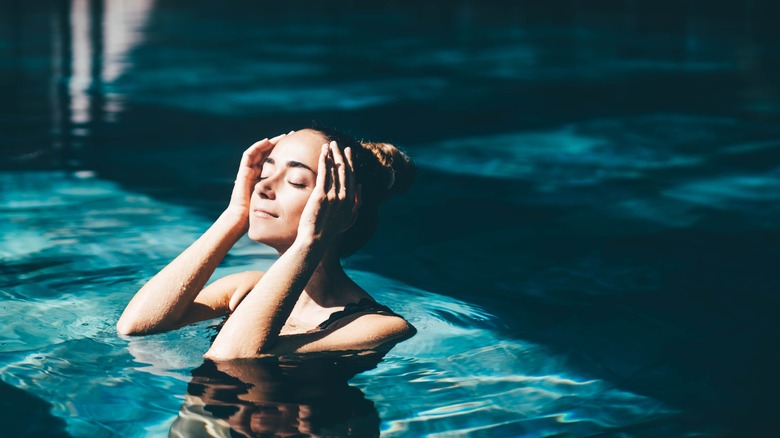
{"x": 303, "y": 396}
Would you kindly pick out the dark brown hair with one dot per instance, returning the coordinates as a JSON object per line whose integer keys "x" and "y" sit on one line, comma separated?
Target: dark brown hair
{"x": 382, "y": 170}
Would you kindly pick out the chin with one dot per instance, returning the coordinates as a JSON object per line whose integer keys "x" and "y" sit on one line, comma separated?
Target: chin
{"x": 274, "y": 240}
{"x": 260, "y": 236}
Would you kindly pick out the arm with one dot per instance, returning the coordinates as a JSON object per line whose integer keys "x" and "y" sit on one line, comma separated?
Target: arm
{"x": 363, "y": 332}
{"x": 167, "y": 299}
{"x": 255, "y": 324}
{"x": 258, "y": 319}
{"x": 245, "y": 334}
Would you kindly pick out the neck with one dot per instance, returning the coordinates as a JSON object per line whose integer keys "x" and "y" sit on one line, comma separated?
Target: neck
{"x": 327, "y": 282}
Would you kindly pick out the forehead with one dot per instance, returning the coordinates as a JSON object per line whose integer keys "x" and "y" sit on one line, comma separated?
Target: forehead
{"x": 303, "y": 146}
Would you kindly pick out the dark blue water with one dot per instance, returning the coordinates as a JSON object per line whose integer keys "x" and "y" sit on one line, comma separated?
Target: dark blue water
{"x": 590, "y": 248}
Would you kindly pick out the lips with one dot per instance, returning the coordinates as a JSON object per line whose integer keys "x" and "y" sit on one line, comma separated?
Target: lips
{"x": 265, "y": 214}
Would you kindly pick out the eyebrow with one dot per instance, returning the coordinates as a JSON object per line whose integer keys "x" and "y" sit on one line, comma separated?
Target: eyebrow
{"x": 292, "y": 163}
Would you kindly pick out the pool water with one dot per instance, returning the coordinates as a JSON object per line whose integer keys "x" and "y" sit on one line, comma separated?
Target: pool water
{"x": 590, "y": 247}
{"x": 70, "y": 267}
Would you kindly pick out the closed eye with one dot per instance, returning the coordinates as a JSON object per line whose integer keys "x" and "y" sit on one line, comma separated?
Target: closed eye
{"x": 298, "y": 185}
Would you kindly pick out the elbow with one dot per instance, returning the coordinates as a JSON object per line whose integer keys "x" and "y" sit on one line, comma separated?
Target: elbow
{"x": 401, "y": 330}
{"x": 221, "y": 350}
{"x": 127, "y": 327}
{"x": 220, "y": 356}
{"x": 231, "y": 344}
{"x": 209, "y": 355}
{"x": 134, "y": 326}
{"x": 411, "y": 330}
{"x": 223, "y": 354}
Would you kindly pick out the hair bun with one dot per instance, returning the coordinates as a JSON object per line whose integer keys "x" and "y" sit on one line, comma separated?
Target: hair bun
{"x": 382, "y": 170}
{"x": 397, "y": 168}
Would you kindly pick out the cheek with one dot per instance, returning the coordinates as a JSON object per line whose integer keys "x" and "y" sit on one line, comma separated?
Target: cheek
{"x": 297, "y": 202}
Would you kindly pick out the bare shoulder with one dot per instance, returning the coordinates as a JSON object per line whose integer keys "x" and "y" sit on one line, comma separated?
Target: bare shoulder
{"x": 366, "y": 331}
{"x": 220, "y": 293}
{"x": 215, "y": 299}
{"x": 235, "y": 282}
{"x": 384, "y": 327}
{"x": 244, "y": 279}
{"x": 371, "y": 330}
{"x": 372, "y": 324}
{"x": 241, "y": 284}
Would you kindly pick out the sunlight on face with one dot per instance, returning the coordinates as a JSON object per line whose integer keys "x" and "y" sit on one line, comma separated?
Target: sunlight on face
{"x": 287, "y": 179}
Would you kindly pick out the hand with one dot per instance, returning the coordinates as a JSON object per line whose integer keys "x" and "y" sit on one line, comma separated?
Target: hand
{"x": 331, "y": 207}
{"x": 248, "y": 173}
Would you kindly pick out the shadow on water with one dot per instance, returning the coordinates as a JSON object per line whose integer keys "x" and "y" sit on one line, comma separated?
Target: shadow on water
{"x": 27, "y": 415}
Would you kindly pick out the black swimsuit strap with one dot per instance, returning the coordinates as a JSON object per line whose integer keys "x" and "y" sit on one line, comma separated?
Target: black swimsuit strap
{"x": 365, "y": 305}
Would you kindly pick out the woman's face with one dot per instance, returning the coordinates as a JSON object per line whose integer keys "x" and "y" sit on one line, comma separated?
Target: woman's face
{"x": 287, "y": 179}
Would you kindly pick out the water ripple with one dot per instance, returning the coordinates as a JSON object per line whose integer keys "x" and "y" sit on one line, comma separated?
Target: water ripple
{"x": 459, "y": 374}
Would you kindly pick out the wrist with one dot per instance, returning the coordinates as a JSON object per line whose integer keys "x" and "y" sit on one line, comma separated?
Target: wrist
{"x": 309, "y": 245}
{"x": 234, "y": 219}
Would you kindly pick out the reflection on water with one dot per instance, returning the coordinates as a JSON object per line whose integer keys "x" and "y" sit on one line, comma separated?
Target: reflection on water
{"x": 307, "y": 396}
{"x": 530, "y": 65}
{"x": 460, "y": 373}
{"x": 85, "y": 45}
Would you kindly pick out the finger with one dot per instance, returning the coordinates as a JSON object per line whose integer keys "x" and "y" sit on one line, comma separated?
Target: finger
{"x": 341, "y": 172}
{"x": 261, "y": 149}
{"x": 249, "y": 157}
{"x": 255, "y": 146}
{"x": 333, "y": 188}
{"x": 277, "y": 138}
{"x": 264, "y": 143}
{"x": 322, "y": 169}
{"x": 350, "y": 174}
{"x": 258, "y": 143}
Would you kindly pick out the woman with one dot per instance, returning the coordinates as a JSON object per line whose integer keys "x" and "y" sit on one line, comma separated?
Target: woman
{"x": 312, "y": 195}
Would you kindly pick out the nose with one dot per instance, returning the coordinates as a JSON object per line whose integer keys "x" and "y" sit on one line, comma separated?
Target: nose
{"x": 265, "y": 187}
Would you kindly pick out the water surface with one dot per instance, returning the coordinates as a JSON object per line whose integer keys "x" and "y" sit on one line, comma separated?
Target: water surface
{"x": 590, "y": 246}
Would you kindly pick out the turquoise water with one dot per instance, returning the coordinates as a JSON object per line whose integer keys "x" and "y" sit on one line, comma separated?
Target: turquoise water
{"x": 590, "y": 247}
{"x": 76, "y": 248}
